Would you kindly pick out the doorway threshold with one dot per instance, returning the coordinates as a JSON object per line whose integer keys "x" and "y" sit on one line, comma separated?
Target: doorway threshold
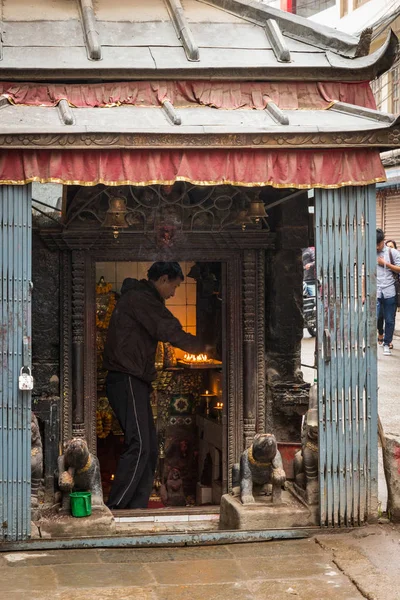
{"x": 167, "y": 511}
{"x": 168, "y": 519}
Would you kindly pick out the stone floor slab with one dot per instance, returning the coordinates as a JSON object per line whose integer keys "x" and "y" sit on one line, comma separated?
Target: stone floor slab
{"x": 196, "y": 571}
{"x": 97, "y": 575}
{"x": 50, "y": 557}
{"x": 305, "y": 590}
{"x": 278, "y": 548}
{"x": 28, "y": 578}
{"x": 224, "y": 591}
{"x": 144, "y": 555}
{"x": 261, "y": 567}
{"x": 131, "y": 593}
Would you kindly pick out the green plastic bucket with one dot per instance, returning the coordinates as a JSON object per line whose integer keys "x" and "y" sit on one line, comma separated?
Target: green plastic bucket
{"x": 81, "y": 504}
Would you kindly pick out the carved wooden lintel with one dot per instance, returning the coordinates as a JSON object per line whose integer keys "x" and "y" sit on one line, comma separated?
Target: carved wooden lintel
{"x": 380, "y": 138}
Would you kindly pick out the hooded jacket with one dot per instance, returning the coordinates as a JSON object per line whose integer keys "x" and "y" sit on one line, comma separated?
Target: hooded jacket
{"x": 140, "y": 320}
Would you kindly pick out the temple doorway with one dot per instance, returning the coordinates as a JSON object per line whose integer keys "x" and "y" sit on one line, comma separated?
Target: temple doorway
{"x": 188, "y": 395}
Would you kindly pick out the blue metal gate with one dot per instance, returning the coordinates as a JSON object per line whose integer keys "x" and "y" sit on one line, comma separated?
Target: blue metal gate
{"x": 347, "y": 372}
{"x": 15, "y": 329}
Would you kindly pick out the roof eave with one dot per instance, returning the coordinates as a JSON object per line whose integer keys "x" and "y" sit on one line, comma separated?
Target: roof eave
{"x": 298, "y": 27}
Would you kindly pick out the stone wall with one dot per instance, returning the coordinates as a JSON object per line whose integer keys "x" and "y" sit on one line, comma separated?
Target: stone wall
{"x": 45, "y": 320}
{"x": 287, "y": 394}
{"x": 46, "y": 352}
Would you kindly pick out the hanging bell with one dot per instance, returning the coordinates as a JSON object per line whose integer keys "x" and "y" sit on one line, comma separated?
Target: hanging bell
{"x": 256, "y": 211}
{"x": 243, "y": 219}
{"x": 116, "y": 214}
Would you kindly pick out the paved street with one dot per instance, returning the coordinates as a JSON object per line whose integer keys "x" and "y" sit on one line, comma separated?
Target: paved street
{"x": 362, "y": 563}
{"x": 274, "y": 570}
{"x": 388, "y": 394}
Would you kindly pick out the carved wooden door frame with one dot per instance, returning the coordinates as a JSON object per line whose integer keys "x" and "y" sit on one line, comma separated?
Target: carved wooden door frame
{"x": 243, "y": 339}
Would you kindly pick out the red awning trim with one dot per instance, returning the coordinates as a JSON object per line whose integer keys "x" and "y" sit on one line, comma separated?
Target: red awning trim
{"x": 302, "y": 169}
{"x": 291, "y": 95}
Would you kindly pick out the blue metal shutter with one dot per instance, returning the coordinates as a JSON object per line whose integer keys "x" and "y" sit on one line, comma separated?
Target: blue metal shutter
{"x": 347, "y": 371}
{"x": 15, "y": 324}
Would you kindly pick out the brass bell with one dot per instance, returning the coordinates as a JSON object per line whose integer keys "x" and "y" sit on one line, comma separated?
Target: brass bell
{"x": 116, "y": 214}
{"x": 256, "y": 210}
{"x": 243, "y": 219}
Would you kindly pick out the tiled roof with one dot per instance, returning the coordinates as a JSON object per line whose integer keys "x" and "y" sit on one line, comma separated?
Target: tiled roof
{"x": 235, "y": 39}
{"x": 167, "y": 126}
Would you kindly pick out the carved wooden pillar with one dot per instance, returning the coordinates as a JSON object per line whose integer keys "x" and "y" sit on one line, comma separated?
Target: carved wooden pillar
{"x": 78, "y": 317}
{"x": 260, "y": 340}
{"x": 249, "y": 347}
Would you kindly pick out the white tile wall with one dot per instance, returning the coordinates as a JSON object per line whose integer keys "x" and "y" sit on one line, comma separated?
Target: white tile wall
{"x": 182, "y": 305}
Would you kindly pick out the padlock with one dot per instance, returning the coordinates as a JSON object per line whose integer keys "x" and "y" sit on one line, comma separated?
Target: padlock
{"x": 25, "y": 380}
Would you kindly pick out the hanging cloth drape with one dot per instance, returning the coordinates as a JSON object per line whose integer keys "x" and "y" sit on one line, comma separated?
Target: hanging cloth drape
{"x": 278, "y": 168}
{"x": 295, "y": 168}
{"x": 229, "y": 95}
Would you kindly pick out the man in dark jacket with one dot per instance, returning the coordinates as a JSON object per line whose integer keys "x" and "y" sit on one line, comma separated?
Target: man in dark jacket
{"x": 140, "y": 320}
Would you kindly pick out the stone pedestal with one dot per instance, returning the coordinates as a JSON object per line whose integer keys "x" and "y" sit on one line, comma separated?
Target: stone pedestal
{"x": 263, "y": 514}
{"x": 100, "y": 523}
{"x": 391, "y": 464}
{"x": 203, "y": 494}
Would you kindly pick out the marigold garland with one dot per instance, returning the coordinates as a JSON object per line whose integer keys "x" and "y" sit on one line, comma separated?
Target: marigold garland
{"x": 103, "y": 288}
{"x": 103, "y": 423}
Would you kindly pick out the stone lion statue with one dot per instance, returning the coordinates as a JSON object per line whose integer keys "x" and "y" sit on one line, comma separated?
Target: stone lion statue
{"x": 36, "y": 462}
{"x": 260, "y": 466}
{"x": 79, "y": 471}
{"x": 306, "y": 460}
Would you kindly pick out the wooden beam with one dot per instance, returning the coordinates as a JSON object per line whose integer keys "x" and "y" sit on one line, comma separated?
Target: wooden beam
{"x": 65, "y": 112}
{"x": 183, "y": 29}
{"x": 277, "y": 41}
{"x": 361, "y": 111}
{"x": 276, "y": 113}
{"x": 89, "y": 25}
{"x": 171, "y": 113}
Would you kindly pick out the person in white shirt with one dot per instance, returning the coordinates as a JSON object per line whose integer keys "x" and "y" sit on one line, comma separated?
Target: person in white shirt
{"x": 388, "y": 264}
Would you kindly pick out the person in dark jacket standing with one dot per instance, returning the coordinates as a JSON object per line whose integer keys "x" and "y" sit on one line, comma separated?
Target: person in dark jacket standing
{"x": 140, "y": 320}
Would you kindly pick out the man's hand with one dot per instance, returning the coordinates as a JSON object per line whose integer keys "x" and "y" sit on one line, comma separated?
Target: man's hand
{"x": 308, "y": 266}
{"x": 381, "y": 262}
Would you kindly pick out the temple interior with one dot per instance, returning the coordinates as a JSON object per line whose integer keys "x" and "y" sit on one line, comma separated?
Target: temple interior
{"x": 188, "y": 394}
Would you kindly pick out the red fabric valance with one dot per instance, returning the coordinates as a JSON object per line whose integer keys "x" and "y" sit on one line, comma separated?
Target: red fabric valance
{"x": 290, "y": 95}
{"x": 278, "y": 168}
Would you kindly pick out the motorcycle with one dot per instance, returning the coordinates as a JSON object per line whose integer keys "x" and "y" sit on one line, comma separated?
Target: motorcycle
{"x": 309, "y": 311}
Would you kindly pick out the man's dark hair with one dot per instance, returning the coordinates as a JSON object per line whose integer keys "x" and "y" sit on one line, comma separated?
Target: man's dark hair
{"x": 380, "y": 236}
{"x": 158, "y": 269}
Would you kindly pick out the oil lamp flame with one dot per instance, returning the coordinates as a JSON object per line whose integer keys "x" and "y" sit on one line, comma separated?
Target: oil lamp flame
{"x": 195, "y": 358}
